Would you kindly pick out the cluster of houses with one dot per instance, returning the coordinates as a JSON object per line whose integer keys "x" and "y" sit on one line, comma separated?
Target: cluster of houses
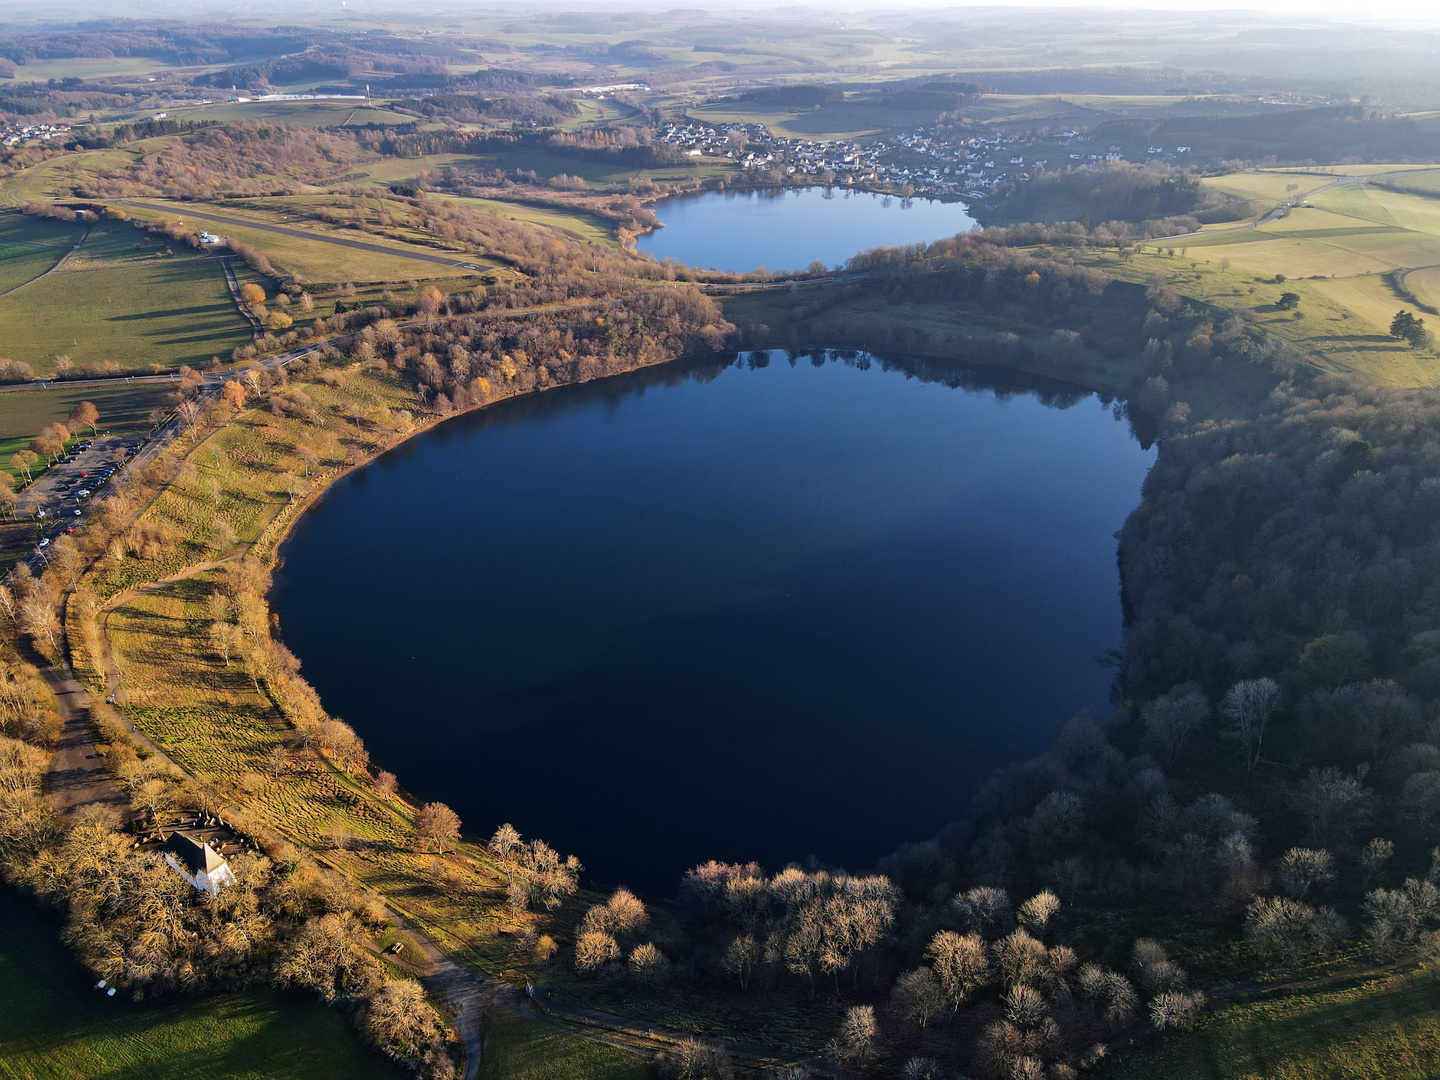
{"x": 927, "y": 161}
{"x": 18, "y": 136}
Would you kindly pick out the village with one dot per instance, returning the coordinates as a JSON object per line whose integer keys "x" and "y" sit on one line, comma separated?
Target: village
{"x": 19, "y": 136}
{"x": 926, "y": 161}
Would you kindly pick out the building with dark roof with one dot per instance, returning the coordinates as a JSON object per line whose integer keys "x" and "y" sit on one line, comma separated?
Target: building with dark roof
{"x": 198, "y": 863}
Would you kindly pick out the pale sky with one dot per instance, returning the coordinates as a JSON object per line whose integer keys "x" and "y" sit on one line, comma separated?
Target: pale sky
{"x": 1422, "y": 11}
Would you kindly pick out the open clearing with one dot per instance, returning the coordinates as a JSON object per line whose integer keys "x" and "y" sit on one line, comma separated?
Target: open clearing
{"x": 325, "y": 253}
{"x": 1389, "y": 1027}
{"x": 55, "y": 1026}
{"x": 1266, "y": 190}
{"x": 29, "y": 247}
{"x": 577, "y": 223}
{"x": 308, "y": 114}
{"x": 1342, "y": 254}
{"x": 122, "y": 300}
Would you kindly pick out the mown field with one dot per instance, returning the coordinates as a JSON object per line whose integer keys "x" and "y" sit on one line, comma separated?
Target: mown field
{"x": 308, "y": 114}
{"x": 1386, "y": 1027}
{"x": 29, "y": 248}
{"x": 1343, "y": 254}
{"x": 124, "y": 299}
{"x": 313, "y": 258}
{"x": 1265, "y": 190}
{"x": 55, "y": 1026}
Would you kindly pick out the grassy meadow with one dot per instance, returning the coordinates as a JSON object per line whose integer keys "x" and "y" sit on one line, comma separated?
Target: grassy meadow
{"x": 1387, "y": 1027}
{"x": 517, "y": 1050}
{"x": 308, "y": 114}
{"x": 579, "y": 224}
{"x": 313, "y": 258}
{"x": 56, "y": 1026}
{"x": 125, "y": 299}
{"x": 1343, "y": 253}
{"x": 29, "y": 247}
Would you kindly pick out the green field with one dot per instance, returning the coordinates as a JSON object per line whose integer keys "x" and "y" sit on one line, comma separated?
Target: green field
{"x": 1389, "y": 1028}
{"x": 517, "y": 1050}
{"x": 1425, "y": 284}
{"x": 1342, "y": 253}
{"x": 29, "y": 247}
{"x": 547, "y": 163}
{"x": 313, "y": 258}
{"x": 121, "y": 299}
{"x": 1267, "y": 190}
{"x": 309, "y": 114}
{"x": 55, "y": 1026}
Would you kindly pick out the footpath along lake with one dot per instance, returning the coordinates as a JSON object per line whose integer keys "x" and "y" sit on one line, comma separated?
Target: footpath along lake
{"x": 787, "y": 229}
{"x": 760, "y": 609}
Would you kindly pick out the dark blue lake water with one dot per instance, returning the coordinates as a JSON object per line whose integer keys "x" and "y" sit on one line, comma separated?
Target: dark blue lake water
{"x": 786, "y": 229}
{"x": 758, "y": 610}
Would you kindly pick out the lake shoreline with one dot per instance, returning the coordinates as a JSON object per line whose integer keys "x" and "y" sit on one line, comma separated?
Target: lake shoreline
{"x": 485, "y": 520}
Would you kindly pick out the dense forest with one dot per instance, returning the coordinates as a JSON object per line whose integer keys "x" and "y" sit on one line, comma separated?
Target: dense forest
{"x": 1173, "y": 201}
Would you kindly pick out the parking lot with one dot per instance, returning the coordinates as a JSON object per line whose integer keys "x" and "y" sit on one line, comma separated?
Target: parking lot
{"x": 60, "y": 496}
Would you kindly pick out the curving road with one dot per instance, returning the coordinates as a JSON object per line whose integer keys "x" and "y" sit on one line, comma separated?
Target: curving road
{"x": 1284, "y": 208}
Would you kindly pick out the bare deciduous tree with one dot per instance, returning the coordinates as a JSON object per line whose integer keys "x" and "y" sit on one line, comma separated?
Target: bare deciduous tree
{"x": 917, "y": 995}
{"x": 962, "y": 964}
{"x": 1035, "y": 914}
{"x": 1247, "y": 708}
{"x": 437, "y": 824}
{"x": 1301, "y": 869}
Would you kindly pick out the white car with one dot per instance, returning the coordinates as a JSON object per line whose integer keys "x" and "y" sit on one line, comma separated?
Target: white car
{"x": 44, "y": 541}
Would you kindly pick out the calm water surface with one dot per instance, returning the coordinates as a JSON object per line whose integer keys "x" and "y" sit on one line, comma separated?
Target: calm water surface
{"x": 763, "y": 609}
{"x": 743, "y": 230}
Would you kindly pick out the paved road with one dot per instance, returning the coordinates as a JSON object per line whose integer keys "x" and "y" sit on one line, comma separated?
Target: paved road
{"x": 466, "y": 262}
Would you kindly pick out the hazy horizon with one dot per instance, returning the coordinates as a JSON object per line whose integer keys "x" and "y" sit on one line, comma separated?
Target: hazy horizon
{"x": 1389, "y": 12}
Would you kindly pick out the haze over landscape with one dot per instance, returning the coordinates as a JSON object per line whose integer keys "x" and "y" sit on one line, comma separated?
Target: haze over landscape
{"x": 689, "y": 543}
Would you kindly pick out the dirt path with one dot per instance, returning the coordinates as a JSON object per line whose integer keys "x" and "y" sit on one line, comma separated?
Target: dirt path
{"x": 77, "y": 776}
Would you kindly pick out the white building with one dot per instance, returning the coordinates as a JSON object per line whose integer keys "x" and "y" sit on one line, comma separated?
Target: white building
{"x": 198, "y": 863}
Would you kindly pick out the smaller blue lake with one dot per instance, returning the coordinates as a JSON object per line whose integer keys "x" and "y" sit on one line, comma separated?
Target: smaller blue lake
{"x": 786, "y": 230}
